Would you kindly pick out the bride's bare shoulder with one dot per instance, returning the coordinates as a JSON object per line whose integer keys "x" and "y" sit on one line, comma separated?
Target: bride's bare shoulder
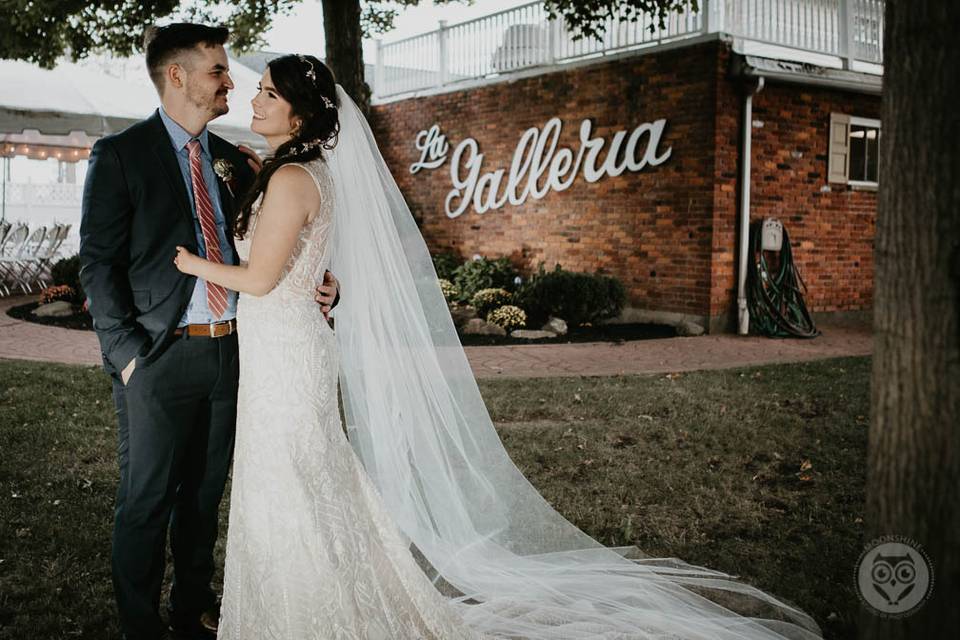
{"x": 293, "y": 181}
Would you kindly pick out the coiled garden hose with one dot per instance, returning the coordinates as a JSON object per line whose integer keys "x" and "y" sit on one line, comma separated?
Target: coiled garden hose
{"x": 775, "y": 300}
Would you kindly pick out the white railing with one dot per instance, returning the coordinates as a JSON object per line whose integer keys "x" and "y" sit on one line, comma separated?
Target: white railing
{"x": 849, "y": 29}
{"x": 29, "y": 194}
{"x": 525, "y": 37}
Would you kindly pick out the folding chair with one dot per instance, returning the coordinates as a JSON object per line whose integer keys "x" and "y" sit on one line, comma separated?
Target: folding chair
{"x": 28, "y": 258}
{"x": 10, "y": 249}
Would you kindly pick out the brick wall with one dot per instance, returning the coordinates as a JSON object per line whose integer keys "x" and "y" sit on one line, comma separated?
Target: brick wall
{"x": 668, "y": 232}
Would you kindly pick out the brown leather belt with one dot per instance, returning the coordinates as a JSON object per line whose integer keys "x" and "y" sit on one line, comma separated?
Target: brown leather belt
{"x": 213, "y": 330}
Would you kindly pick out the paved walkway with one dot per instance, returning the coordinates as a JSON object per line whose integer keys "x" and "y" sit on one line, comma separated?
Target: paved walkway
{"x": 31, "y": 341}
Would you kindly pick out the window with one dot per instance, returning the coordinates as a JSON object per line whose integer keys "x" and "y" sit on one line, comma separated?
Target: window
{"x": 854, "y": 157}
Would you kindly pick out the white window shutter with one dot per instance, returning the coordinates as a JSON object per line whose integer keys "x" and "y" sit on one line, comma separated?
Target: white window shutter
{"x": 838, "y": 163}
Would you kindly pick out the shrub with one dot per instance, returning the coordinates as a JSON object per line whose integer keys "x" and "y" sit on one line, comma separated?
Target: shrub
{"x": 446, "y": 264}
{"x": 486, "y": 300}
{"x": 57, "y": 292}
{"x": 474, "y": 275}
{"x": 509, "y": 317}
{"x": 578, "y": 298}
{"x": 67, "y": 272}
{"x": 450, "y": 291}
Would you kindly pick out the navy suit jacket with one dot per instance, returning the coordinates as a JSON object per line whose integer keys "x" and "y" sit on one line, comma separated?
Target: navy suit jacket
{"x": 135, "y": 212}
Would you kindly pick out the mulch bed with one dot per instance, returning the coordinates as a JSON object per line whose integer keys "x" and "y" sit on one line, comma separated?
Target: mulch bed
{"x": 600, "y": 333}
{"x": 79, "y": 320}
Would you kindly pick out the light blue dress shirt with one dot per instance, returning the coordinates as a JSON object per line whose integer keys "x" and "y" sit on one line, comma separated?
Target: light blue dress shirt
{"x": 197, "y": 311}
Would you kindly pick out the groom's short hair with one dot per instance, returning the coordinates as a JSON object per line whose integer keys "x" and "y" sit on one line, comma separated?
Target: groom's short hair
{"x": 164, "y": 44}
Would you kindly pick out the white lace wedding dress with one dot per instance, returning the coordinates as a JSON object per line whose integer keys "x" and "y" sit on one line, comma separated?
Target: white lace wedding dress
{"x": 311, "y": 551}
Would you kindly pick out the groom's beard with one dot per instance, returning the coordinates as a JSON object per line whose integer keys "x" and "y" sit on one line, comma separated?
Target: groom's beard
{"x": 215, "y": 105}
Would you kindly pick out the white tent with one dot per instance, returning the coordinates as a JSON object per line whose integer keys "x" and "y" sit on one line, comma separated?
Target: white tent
{"x": 59, "y": 113}
{"x": 81, "y": 98}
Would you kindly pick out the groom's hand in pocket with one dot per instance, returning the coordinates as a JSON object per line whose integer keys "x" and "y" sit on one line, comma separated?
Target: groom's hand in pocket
{"x": 128, "y": 371}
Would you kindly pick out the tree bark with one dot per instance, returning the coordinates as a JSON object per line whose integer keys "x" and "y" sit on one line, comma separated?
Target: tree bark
{"x": 913, "y": 467}
{"x": 344, "y": 38}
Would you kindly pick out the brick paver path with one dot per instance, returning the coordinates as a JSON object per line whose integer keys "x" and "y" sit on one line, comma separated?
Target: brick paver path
{"x": 31, "y": 341}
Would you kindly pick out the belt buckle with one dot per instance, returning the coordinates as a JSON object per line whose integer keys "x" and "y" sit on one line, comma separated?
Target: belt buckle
{"x": 213, "y": 328}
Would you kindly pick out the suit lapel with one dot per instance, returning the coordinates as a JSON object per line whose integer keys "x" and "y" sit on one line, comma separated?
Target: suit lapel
{"x": 220, "y": 149}
{"x": 167, "y": 159}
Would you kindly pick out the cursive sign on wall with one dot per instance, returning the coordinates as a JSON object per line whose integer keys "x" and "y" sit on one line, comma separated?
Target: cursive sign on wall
{"x": 538, "y": 166}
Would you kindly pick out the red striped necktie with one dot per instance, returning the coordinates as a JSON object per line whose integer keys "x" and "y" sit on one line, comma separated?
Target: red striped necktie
{"x": 216, "y": 295}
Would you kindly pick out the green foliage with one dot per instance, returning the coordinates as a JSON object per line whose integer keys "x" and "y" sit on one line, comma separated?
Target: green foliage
{"x": 474, "y": 275}
{"x": 578, "y": 298}
{"x": 41, "y": 31}
{"x": 508, "y": 316}
{"x": 486, "y": 300}
{"x": 588, "y": 18}
{"x": 446, "y": 264}
{"x": 67, "y": 272}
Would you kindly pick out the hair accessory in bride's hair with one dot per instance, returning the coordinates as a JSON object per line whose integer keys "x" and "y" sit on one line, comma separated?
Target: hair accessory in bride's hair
{"x": 306, "y": 146}
{"x": 311, "y": 72}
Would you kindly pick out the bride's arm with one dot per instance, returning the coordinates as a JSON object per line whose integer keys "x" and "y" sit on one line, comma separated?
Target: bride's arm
{"x": 290, "y": 198}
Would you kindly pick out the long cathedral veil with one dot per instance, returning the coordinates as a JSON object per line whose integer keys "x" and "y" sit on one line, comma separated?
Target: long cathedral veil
{"x": 512, "y": 565}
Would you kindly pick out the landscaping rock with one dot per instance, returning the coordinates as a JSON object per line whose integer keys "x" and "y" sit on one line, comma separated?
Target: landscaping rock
{"x": 689, "y": 329}
{"x": 480, "y": 327}
{"x": 531, "y": 334}
{"x": 556, "y": 326}
{"x": 57, "y": 309}
{"x": 462, "y": 313}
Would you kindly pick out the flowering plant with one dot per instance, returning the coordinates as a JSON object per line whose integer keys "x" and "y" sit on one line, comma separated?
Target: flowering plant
{"x": 508, "y": 316}
{"x": 487, "y": 300}
{"x": 56, "y": 292}
{"x": 450, "y": 290}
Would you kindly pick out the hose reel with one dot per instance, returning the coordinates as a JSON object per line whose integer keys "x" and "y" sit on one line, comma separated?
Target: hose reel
{"x": 775, "y": 292}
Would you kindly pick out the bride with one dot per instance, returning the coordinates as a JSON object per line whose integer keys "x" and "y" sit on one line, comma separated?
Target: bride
{"x": 418, "y": 525}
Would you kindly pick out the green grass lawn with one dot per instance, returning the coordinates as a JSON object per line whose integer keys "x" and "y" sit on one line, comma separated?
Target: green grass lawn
{"x": 757, "y": 472}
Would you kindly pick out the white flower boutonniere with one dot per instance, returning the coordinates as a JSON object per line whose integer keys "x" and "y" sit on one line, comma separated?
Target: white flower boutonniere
{"x": 224, "y": 171}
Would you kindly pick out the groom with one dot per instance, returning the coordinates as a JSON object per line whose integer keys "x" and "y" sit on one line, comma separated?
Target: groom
{"x": 168, "y": 340}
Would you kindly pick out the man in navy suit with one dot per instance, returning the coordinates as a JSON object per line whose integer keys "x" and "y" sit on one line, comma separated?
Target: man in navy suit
{"x": 172, "y": 356}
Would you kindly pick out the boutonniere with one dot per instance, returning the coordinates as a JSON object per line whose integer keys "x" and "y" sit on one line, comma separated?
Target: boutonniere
{"x": 224, "y": 171}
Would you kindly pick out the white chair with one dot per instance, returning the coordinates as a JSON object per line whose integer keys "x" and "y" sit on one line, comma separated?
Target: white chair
{"x": 10, "y": 249}
{"x": 28, "y": 258}
{"x": 45, "y": 258}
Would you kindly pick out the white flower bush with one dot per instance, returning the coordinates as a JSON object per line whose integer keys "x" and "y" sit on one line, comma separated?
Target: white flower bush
{"x": 508, "y": 316}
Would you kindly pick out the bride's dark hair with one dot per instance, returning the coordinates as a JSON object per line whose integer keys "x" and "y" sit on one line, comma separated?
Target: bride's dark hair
{"x": 310, "y": 88}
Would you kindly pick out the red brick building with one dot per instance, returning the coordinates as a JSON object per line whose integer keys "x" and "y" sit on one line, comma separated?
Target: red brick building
{"x": 666, "y": 221}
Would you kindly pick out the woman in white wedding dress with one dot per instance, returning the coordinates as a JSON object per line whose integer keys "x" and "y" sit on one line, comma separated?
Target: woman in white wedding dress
{"x": 321, "y": 528}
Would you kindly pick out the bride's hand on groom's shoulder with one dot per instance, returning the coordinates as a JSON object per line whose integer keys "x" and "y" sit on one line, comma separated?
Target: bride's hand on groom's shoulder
{"x": 254, "y": 160}
{"x": 186, "y": 262}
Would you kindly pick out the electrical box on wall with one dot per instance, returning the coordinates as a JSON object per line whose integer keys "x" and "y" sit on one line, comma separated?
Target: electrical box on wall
{"x": 771, "y": 235}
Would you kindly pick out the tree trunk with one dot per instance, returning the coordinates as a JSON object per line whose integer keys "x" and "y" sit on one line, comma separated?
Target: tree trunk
{"x": 913, "y": 469}
{"x": 341, "y": 28}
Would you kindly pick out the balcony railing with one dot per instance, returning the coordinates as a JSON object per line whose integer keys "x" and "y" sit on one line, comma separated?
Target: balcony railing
{"x": 525, "y": 37}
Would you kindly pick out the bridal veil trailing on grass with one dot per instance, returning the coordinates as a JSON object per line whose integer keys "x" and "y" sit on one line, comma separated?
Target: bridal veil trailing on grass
{"x": 513, "y": 566}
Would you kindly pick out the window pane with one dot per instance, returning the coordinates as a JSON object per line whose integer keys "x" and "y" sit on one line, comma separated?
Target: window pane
{"x": 873, "y": 155}
{"x": 858, "y": 152}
